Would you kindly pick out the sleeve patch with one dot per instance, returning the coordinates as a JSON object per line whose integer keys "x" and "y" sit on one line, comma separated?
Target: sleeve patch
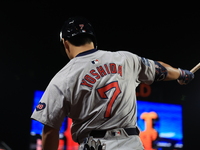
{"x": 145, "y": 61}
{"x": 40, "y": 106}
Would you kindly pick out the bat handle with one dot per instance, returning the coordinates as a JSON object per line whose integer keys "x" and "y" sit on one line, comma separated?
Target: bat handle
{"x": 197, "y": 67}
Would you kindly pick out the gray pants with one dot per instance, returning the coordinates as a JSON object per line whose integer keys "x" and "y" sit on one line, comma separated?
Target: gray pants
{"x": 118, "y": 139}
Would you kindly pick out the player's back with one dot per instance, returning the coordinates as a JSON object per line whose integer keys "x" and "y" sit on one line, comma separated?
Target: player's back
{"x": 101, "y": 91}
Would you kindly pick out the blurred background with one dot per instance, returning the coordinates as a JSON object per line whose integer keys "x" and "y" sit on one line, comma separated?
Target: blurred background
{"x": 30, "y": 54}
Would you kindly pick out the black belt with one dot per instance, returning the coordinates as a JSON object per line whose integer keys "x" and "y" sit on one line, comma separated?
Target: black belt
{"x": 101, "y": 133}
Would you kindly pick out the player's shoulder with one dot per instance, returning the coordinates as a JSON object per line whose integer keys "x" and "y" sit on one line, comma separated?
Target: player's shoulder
{"x": 128, "y": 55}
{"x": 64, "y": 73}
{"x": 120, "y": 52}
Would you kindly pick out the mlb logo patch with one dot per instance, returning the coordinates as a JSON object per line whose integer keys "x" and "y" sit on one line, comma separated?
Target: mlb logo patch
{"x": 116, "y": 133}
{"x": 95, "y": 61}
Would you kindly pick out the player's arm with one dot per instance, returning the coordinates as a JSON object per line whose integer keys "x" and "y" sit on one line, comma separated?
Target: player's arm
{"x": 166, "y": 72}
{"x": 50, "y": 138}
{"x": 172, "y": 73}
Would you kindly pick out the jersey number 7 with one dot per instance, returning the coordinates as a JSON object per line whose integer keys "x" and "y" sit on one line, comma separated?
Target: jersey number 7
{"x": 102, "y": 93}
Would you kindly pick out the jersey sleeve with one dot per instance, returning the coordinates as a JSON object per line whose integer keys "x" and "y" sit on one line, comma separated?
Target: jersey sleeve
{"x": 51, "y": 109}
{"x": 143, "y": 68}
{"x": 147, "y": 70}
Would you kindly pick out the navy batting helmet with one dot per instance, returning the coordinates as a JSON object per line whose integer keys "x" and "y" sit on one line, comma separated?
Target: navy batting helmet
{"x": 76, "y": 26}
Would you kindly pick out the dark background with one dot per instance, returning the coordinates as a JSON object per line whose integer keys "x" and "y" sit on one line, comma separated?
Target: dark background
{"x": 30, "y": 54}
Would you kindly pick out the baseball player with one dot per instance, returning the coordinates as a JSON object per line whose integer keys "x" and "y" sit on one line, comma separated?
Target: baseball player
{"x": 97, "y": 90}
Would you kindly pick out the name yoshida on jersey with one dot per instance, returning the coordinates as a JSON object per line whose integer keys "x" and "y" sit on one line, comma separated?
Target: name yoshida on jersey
{"x": 97, "y": 90}
{"x": 100, "y": 71}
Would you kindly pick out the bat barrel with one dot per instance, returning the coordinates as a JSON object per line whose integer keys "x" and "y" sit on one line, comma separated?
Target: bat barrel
{"x": 197, "y": 67}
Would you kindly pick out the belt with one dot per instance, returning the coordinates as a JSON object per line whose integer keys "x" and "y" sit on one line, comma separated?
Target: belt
{"x": 101, "y": 133}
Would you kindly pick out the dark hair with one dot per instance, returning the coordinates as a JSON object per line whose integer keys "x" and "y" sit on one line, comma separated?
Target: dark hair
{"x": 81, "y": 39}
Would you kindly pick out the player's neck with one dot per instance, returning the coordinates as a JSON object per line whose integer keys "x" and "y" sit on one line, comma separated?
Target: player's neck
{"x": 75, "y": 50}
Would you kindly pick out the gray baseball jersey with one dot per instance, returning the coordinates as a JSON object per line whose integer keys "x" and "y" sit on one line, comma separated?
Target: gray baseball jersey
{"x": 97, "y": 90}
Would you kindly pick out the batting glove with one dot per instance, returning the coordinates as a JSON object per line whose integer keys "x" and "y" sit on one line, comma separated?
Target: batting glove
{"x": 185, "y": 76}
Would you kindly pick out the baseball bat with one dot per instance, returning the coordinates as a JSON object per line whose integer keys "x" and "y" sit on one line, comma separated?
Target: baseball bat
{"x": 197, "y": 67}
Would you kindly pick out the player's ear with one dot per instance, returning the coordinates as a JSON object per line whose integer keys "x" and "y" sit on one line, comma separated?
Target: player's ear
{"x": 66, "y": 45}
{"x": 67, "y": 48}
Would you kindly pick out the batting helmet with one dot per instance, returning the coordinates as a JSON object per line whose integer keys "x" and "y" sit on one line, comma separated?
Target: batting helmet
{"x": 76, "y": 26}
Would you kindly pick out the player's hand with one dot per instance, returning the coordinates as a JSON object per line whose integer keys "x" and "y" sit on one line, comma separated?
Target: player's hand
{"x": 185, "y": 77}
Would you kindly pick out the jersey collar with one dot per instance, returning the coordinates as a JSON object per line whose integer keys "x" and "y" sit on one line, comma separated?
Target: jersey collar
{"x": 87, "y": 52}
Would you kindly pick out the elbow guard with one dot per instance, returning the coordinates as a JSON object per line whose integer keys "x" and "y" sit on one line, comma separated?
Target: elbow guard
{"x": 161, "y": 72}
